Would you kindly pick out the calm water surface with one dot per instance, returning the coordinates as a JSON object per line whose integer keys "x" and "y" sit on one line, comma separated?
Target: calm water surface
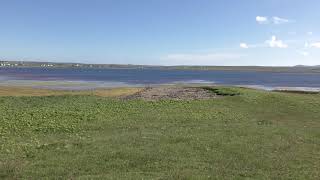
{"x": 131, "y": 77}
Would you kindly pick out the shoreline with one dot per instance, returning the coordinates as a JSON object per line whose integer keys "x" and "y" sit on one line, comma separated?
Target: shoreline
{"x": 282, "y": 89}
{"x": 30, "y": 90}
{"x": 65, "y": 65}
{"x": 69, "y": 85}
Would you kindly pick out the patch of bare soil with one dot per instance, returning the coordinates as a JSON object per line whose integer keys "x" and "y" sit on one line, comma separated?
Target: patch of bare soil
{"x": 174, "y": 93}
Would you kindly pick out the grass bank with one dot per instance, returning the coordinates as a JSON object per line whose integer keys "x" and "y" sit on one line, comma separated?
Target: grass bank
{"x": 252, "y": 134}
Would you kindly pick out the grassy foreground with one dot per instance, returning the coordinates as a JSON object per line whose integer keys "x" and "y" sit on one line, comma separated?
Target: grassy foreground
{"x": 251, "y": 135}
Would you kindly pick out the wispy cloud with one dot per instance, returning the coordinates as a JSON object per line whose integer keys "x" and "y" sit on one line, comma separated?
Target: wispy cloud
{"x": 262, "y": 20}
{"x": 315, "y": 45}
{"x": 303, "y": 53}
{"x": 312, "y": 45}
{"x": 292, "y": 33}
{"x": 278, "y": 20}
{"x": 244, "y": 45}
{"x": 273, "y": 20}
{"x": 276, "y": 43}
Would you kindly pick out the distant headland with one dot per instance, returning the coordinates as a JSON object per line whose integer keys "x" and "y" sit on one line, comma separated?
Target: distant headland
{"x": 36, "y": 64}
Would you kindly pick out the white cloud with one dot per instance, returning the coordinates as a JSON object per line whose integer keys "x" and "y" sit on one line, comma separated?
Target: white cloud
{"x": 200, "y": 59}
{"x": 312, "y": 45}
{"x": 303, "y": 53}
{"x": 306, "y": 44}
{"x": 275, "y": 43}
{"x": 262, "y": 19}
{"x": 310, "y": 33}
{"x": 244, "y": 45}
{"x": 278, "y": 20}
{"x": 315, "y": 45}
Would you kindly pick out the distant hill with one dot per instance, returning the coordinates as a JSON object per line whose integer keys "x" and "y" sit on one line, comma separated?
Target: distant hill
{"x": 307, "y": 66}
{"x": 298, "y": 68}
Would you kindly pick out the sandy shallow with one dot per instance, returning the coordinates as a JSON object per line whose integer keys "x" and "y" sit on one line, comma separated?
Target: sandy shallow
{"x": 66, "y": 85}
{"x": 103, "y": 92}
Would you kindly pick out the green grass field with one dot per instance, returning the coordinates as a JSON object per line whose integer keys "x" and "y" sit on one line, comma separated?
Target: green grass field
{"x": 250, "y": 135}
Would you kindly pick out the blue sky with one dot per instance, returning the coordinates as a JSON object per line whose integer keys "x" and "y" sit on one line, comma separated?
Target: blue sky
{"x": 162, "y": 32}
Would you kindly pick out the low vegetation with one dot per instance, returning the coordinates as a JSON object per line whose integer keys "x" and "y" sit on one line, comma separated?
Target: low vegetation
{"x": 249, "y": 135}
{"x": 223, "y": 91}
